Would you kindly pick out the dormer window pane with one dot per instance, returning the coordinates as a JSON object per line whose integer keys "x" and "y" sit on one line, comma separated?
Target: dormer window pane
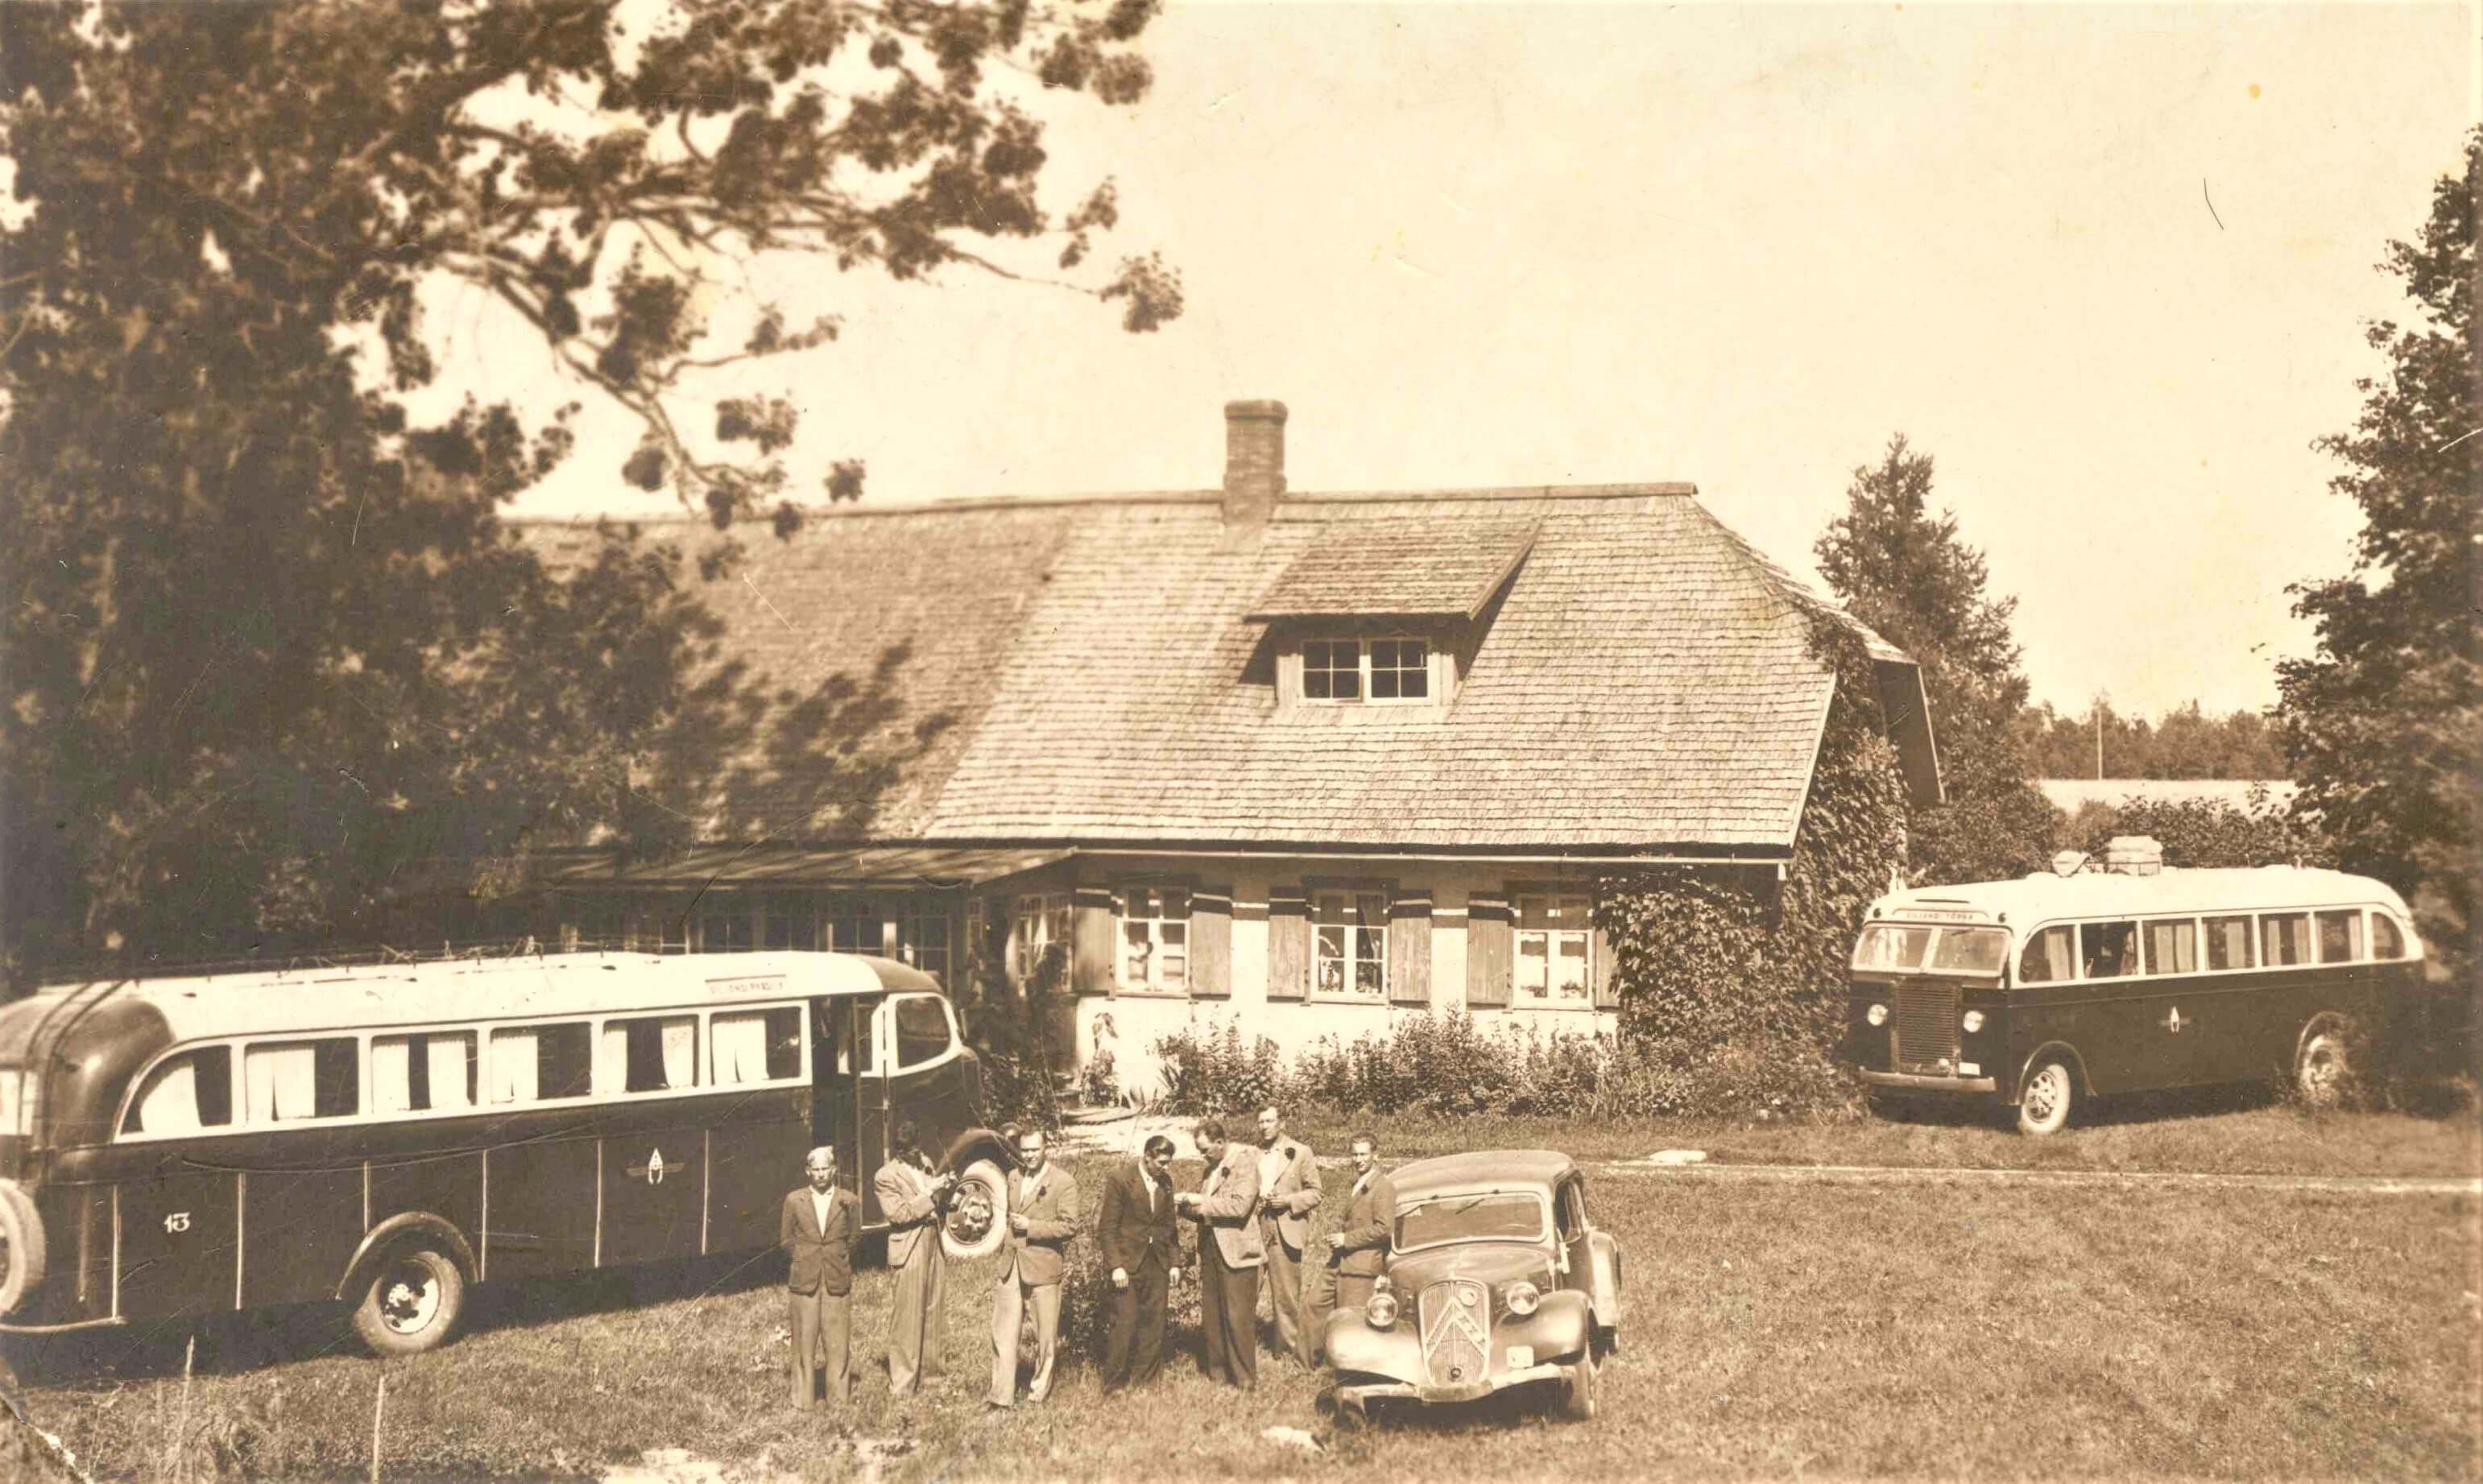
{"x": 1332, "y": 670}
{"x": 1399, "y": 669}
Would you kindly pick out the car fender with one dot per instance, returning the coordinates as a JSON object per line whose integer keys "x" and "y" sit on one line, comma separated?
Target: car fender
{"x": 1561, "y": 1326}
{"x": 1353, "y": 1346}
{"x": 386, "y": 1236}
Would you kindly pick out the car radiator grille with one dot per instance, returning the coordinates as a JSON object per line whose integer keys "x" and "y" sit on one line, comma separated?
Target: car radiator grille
{"x": 1457, "y": 1326}
{"x": 1926, "y": 1027}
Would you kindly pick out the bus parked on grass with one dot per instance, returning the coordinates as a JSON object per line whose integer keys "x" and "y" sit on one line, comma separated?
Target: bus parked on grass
{"x": 2041, "y": 993}
{"x": 387, "y": 1135}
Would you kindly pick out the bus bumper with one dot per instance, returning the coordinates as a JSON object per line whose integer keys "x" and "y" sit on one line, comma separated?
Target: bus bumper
{"x": 1925, "y": 1084}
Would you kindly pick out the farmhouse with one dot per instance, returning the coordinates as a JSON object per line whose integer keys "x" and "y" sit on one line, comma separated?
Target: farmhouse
{"x": 1305, "y": 760}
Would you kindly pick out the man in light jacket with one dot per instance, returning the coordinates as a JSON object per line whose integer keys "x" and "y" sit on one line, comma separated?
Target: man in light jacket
{"x": 1042, "y": 1219}
{"x": 913, "y": 1201}
{"x": 818, "y": 1228}
{"x": 1358, "y": 1247}
{"x": 1230, "y": 1254}
{"x": 1289, "y": 1191}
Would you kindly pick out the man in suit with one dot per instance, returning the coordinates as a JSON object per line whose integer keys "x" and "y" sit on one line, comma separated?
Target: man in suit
{"x": 1357, "y": 1247}
{"x": 1143, "y": 1252}
{"x": 818, "y": 1228}
{"x": 1230, "y": 1254}
{"x": 914, "y": 1202}
{"x": 1043, "y": 1217}
{"x": 1289, "y": 1191}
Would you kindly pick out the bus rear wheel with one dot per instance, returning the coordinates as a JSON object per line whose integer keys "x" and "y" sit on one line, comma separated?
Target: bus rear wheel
{"x": 977, "y": 1219}
{"x": 412, "y": 1303}
{"x": 2323, "y": 1066}
{"x": 2045, "y": 1103}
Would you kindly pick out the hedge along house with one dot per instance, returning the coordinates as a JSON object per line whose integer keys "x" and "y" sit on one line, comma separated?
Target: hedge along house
{"x": 1306, "y": 761}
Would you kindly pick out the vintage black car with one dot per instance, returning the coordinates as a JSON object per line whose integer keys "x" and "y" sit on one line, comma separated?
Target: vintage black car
{"x": 1495, "y": 1278}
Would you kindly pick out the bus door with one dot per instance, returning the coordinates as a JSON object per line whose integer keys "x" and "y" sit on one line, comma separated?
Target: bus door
{"x": 871, "y": 1124}
{"x": 846, "y": 1093}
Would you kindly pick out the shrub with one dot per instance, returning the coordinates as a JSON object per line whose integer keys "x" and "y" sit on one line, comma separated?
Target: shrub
{"x": 1212, "y": 1070}
{"x": 1010, "y": 1033}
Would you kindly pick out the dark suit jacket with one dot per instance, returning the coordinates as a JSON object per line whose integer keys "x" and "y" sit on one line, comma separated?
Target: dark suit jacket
{"x": 1362, "y": 1238}
{"x": 820, "y": 1259}
{"x": 1129, "y": 1233}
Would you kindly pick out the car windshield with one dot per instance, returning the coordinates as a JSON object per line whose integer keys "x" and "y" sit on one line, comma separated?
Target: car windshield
{"x": 1489, "y": 1217}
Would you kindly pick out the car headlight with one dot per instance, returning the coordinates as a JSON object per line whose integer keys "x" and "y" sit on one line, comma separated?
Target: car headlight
{"x": 1877, "y": 1015}
{"x": 1522, "y": 1297}
{"x": 1973, "y": 1022}
{"x": 1380, "y": 1311}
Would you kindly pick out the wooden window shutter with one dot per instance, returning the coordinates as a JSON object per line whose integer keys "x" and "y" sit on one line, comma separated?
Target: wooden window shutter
{"x": 1608, "y": 984}
{"x": 1487, "y": 951}
{"x": 1289, "y": 945}
{"x": 1095, "y": 946}
{"x": 1210, "y": 942}
{"x": 1409, "y": 950}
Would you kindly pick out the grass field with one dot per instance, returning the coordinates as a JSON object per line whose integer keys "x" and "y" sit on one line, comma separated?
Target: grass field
{"x": 1774, "y": 1331}
{"x": 2227, "y": 1131}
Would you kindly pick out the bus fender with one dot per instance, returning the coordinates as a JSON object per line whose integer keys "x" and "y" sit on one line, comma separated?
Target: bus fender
{"x": 979, "y": 1143}
{"x": 384, "y": 1235}
{"x": 2064, "y": 1051}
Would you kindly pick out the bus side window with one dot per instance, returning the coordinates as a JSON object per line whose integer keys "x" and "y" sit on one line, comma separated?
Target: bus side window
{"x": 756, "y": 1045}
{"x": 291, "y": 1080}
{"x": 420, "y": 1073}
{"x": 2173, "y": 947}
{"x": 185, "y": 1094}
{"x": 2388, "y": 939}
{"x": 2340, "y": 937}
{"x": 2228, "y": 942}
{"x": 2109, "y": 949}
{"x": 531, "y": 1063}
{"x": 921, "y": 1029}
{"x": 2284, "y": 939}
{"x": 2048, "y": 958}
{"x": 651, "y": 1054}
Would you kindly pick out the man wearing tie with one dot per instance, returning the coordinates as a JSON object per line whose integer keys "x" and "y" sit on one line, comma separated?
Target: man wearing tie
{"x": 1143, "y": 1252}
{"x": 913, "y": 1201}
{"x": 1289, "y": 1191}
{"x": 1043, "y": 1217}
{"x": 1358, "y": 1246}
{"x": 1230, "y": 1254}
{"x": 818, "y": 1230}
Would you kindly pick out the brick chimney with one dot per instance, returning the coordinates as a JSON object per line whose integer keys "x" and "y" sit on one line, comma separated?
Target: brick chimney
{"x": 1254, "y": 462}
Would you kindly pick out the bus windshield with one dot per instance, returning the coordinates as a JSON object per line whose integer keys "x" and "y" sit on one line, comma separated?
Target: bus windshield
{"x": 1900, "y": 947}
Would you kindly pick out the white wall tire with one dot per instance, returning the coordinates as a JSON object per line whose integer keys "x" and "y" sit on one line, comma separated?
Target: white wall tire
{"x": 412, "y": 1301}
{"x": 977, "y": 1218}
{"x": 2323, "y": 1066}
{"x": 22, "y": 1247}
{"x": 2049, "y": 1096}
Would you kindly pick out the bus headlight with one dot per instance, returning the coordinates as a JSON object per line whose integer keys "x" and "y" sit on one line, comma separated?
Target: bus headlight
{"x": 1877, "y": 1015}
{"x": 1522, "y": 1298}
{"x": 1973, "y": 1022}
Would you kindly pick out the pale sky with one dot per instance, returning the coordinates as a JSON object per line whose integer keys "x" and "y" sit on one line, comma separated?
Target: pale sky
{"x": 2109, "y": 265}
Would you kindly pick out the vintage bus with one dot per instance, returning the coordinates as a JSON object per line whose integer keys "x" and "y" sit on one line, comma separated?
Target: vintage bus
{"x": 388, "y": 1135}
{"x": 2041, "y": 993}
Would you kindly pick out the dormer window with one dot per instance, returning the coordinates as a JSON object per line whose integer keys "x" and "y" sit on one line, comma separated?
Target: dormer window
{"x": 1354, "y": 669}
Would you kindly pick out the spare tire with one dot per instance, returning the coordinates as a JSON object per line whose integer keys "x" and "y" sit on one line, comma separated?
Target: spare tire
{"x": 977, "y": 1218}
{"x": 22, "y": 1247}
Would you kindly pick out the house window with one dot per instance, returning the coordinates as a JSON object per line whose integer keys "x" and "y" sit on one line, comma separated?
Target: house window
{"x": 1397, "y": 669}
{"x": 1553, "y": 937}
{"x": 1042, "y": 936}
{"x": 1350, "y": 945}
{"x": 1154, "y": 938}
{"x": 725, "y": 928}
{"x": 922, "y": 940}
{"x": 856, "y": 927}
{"x": 790, "y": 925}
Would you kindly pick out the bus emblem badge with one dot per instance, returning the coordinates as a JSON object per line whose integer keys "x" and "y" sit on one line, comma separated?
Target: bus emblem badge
{"x": 653, "y": 1171}
{"x": 2173, "y": 1021}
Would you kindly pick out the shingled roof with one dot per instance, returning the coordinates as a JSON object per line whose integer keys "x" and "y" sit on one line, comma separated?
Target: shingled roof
{"x": 1093, "y": 671}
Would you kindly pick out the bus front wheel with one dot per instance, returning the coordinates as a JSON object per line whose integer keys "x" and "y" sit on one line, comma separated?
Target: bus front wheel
{"x": 2323, "y": 1066}
{"x": 21, "y": 1246}
{"x": 412, "y": 1305}
{"x": 977, "y": 1219}
{"x": 2045, "y": 1102}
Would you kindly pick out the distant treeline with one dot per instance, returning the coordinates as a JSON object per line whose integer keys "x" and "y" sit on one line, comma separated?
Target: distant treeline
{"x": 2185, "y": 744}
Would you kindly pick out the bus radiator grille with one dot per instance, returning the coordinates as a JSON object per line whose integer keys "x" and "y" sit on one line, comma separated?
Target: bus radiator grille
{"x": 1927, "y": 1027}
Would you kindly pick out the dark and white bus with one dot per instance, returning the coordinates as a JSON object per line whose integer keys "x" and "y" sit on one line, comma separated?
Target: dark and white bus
{"x": 388, "y": 1135}
{"x": 2041, "y": 993}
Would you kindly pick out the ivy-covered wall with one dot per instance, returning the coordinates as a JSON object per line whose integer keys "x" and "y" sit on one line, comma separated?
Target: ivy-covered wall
{"x": 1706, "y": 962}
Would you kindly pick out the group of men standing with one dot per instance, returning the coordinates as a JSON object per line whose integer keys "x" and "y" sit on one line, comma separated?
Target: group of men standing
{"x": 1252, "y": 1213}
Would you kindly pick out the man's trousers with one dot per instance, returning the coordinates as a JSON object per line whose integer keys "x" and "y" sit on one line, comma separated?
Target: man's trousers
{"x": 914, "y": 1317}
{"x": 1133, "y": 1346}
{"x": 1009, "y": 1303}
{"x": 1228, "y": 1301}
{"x": 823, "y": 1325}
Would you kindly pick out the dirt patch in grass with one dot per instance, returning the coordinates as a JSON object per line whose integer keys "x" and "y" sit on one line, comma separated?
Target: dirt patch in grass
{"x": 1773, "y": 1331}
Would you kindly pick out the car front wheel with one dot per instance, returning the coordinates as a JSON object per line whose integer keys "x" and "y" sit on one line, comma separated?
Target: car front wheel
{"x": 2045, "y": 1103}
{"x": 1578, "y": 1391}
